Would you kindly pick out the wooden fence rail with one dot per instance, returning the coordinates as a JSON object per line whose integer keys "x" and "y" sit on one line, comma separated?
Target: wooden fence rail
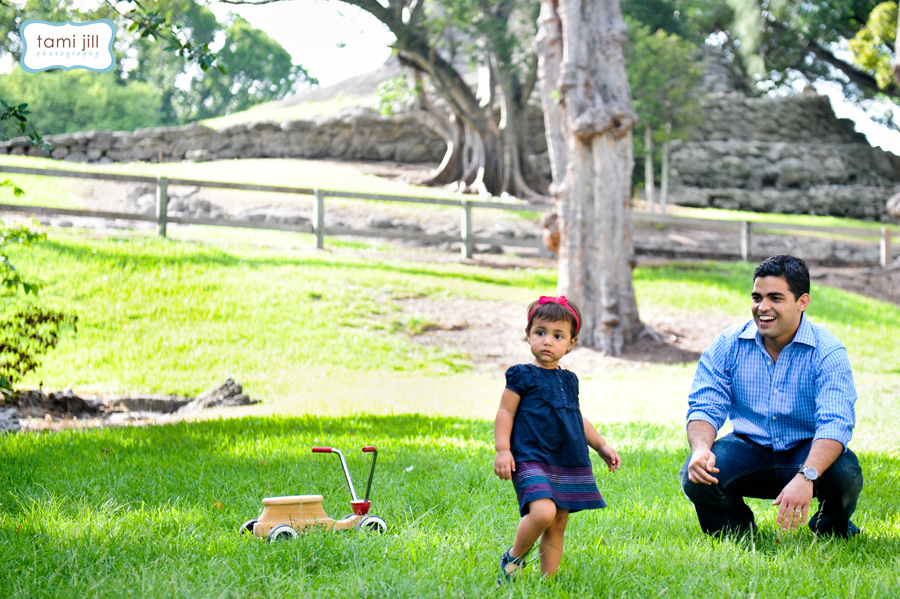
{"x": 743, "y": 229}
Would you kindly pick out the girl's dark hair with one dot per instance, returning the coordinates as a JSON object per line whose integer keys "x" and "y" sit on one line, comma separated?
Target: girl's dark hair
{"x": 553, "y": 312}
{"x": 793, "y": 270}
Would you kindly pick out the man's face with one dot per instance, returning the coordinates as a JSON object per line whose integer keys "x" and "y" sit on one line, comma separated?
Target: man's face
{"x": 775, "y": 309}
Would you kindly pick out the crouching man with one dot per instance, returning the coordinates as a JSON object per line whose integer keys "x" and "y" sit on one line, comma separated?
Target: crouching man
{"x": 786, "y": 386}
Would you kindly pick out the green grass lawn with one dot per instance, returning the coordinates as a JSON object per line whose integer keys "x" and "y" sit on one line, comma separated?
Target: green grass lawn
{"x": 320, "y": 338}
{"x": 153, "y": 512}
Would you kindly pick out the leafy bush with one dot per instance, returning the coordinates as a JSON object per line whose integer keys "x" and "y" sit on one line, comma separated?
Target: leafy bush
{"x": 29, "y": 331}
{"x": 26, "y": 334}
{"x": 394, "y": 96}
{"x": 68, "y": 101}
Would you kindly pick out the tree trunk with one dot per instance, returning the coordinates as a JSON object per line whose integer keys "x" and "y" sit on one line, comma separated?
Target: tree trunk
{"x": 484, "y": 156}
{"x": 897, "y": 51}
{"x": 649, "y": 178}
{"x": 664, "y": 175}
{"x": 664, "y": 183}
{"x": 587, "y": 75}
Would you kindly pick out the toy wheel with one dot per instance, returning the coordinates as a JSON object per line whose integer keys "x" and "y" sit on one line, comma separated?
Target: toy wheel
{"x": 247, "y": 527}
{"x": 372, "y": 524}
{"x": 282, "y": 532}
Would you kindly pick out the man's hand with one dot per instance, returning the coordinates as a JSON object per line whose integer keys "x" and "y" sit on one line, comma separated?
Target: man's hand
{"x": 794, "y": 501}
{"x": 504, "y": 464}
{"x": 702, "y": 467}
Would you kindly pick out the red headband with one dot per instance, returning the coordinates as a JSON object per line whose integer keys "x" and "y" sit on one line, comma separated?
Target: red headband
{"x": 562, "y": 301}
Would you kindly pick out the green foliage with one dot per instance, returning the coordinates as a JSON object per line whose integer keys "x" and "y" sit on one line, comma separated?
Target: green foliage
{"x": 664, "y": 74}
{"x": 159, "y": 43}
{"x": 19, "y": 235}
{"x": 692, "y": 20}
{"x": 154, "y": 24}
{"x": 27, "y": 333}
{"x": 254, "y": 69}
{"x": 79, "y": 100}
{"x": 783, "y": 44}
{"x": 14, "y": 122}
{"x": 393, "y": 96}
{"x": 873, "y": 45}
{"x": 17, "y": 191}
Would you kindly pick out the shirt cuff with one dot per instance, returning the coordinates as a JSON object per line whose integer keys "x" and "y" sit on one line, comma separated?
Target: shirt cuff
{"x": 704, "y": 417}
{"x": 835, "y": 434}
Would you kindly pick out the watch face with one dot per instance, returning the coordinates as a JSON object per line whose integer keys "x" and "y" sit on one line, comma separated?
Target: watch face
{"x": 810, "y": 473}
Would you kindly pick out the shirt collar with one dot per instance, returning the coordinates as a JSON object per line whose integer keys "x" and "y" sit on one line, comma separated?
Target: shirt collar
{"x": 804, "y": 335}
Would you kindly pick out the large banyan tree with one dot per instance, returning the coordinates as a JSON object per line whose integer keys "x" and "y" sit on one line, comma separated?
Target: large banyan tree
{"x": 484, "y": 126}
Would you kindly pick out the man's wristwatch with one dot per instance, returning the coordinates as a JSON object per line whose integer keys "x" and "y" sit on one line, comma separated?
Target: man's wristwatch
{"x": 809, "y": 473}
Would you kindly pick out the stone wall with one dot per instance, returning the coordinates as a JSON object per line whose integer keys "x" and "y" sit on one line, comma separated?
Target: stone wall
{"x": 784, "y": 155}
{"x": 356, "y": 137}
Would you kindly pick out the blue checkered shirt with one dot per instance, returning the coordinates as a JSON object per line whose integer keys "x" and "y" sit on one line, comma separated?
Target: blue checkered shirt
{"x": 807, "y": 394}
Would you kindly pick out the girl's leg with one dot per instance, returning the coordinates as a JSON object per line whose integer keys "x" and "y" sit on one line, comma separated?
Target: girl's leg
{"x": 541, "y": 515}
{"x": 552, "y": 543}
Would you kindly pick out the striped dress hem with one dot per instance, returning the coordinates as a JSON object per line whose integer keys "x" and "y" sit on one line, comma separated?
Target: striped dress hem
{"x": 572, "y": 489}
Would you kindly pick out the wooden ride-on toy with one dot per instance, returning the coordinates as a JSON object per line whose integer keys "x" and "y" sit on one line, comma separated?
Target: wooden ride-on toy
{"x": 286, "y": 517}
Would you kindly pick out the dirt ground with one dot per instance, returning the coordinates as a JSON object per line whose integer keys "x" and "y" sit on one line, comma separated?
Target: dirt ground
{"x": 491, "y": 333}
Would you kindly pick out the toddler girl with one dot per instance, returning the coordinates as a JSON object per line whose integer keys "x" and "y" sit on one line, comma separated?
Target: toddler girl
{"x": 542, "y": 439}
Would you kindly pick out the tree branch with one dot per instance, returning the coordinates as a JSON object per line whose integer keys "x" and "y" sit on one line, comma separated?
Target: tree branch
{"x": 860, "y": 78}
{"x": 897, "y": 52}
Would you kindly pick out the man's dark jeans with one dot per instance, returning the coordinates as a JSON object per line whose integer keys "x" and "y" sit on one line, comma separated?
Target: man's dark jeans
{"x": 750, "y": 470}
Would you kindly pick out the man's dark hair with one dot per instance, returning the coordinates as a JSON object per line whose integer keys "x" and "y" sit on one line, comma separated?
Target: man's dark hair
{"x": 793, "y": 270}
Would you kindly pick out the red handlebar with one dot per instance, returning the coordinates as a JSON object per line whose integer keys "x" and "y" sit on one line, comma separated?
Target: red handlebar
{"x": 369, "y": 449}
{"x": 322, "y": 450}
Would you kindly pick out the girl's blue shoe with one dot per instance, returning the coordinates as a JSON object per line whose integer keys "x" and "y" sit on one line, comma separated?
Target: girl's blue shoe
{"x": 509, "y": 567}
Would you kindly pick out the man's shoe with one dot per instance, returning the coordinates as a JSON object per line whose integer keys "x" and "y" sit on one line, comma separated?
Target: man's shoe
{"x": 852, "y": 529}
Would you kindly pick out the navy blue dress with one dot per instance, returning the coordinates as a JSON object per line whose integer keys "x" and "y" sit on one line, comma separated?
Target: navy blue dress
{"x": 548, "y": 441}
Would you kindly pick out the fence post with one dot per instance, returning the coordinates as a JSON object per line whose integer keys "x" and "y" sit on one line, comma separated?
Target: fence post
{"x": 162, "y": 203}
{"x": 746, "y": 227}
{"x": 319, "y": 219}
{"x": 465, "y": 229}
{"x": 887, "y": 253}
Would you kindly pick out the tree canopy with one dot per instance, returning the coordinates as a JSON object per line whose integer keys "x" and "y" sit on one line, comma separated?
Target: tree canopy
{"x": 664, "y": 72}
{"x": 780, "y": 42}
{"x": 873, "y": 45}
{"x": 163, "y": 51}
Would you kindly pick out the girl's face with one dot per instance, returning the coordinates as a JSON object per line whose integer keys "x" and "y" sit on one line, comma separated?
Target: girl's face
{"x": 550, "y": 341}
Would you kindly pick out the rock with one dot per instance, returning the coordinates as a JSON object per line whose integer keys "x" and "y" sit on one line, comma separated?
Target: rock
{"x": 9, "y": 421}
{"x": 158, "y": 404}
{"x": 67, "y": 402}
{"x": 893, "y": 206}
{"x": 199, "y": 156}
{"x": 380, "y": 222}
{"x": 228, "y": 394}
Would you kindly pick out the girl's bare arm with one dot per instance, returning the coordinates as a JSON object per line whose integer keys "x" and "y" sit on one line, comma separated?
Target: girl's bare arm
{"x": 504, "y": 464}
